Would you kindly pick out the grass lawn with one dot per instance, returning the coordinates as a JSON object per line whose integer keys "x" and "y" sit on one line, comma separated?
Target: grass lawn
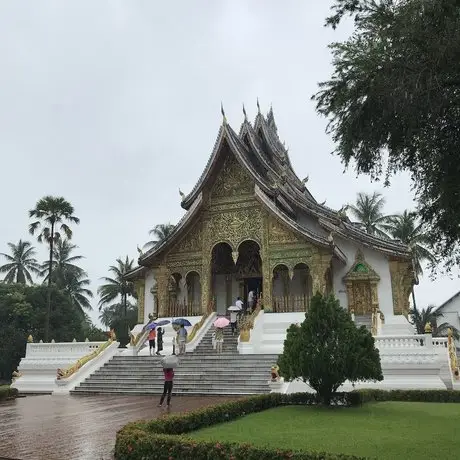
{"x": 386, "y": 430}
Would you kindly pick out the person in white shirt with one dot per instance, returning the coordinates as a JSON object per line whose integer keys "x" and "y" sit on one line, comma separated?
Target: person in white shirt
{"x": 233, "y": 318}
{"x": 239, "y": 304}
{"x": 251, "y": 298}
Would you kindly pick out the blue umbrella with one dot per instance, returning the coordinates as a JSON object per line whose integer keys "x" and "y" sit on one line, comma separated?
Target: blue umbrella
{"x": 162, "y": 322}
{"x": 151, "y": 326}
{"x": 182, "y": 322}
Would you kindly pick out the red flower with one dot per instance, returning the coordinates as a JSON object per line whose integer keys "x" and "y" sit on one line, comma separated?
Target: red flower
{"x": 130, "y": 448}
{"x": 218, "y": 446}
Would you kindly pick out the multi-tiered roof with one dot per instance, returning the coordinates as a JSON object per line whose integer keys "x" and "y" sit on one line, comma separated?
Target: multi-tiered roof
{"x": 258, "y": 148}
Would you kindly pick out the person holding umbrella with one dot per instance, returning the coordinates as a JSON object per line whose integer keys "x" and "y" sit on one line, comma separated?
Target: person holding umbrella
{"x": 152, "y": 337}
{"x": 159, "y": 340}
{"x": 219, "y": 324}
{"x": 233, "y": 317}
{"x": 169, "y": 363}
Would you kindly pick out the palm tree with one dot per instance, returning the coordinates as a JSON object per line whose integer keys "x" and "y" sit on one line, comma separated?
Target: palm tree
{"x": 20, "y": 263}
{"x": 117, "y": 286}
{"x": 75, "y": 285}
{"x": 51, "y": 214}
{"x": 369, "y": 212}
{"x": 405, "y": 228}
{"x": 419, "y": 318}
{"x": 111, "y": 314}
{"x": 63, "y": 263}
{"x": 160, "y": 232}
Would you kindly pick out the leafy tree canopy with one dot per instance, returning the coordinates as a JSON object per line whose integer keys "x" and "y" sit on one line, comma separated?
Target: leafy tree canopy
{"x": 327, "y": 349}
{"x": 393, "y": 102}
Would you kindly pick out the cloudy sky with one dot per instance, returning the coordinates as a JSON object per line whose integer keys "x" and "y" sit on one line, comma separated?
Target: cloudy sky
{"x": 116, "y": 104}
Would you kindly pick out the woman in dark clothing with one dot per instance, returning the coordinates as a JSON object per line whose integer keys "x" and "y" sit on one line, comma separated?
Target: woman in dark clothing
{"x": 159, "y": 340}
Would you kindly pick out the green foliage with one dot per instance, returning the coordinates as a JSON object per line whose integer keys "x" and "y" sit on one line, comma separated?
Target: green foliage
{"x": 6, "y": 392}
{"x": 165, "y": 438}
{"x": 23, "y": 313}
{"x": 327, "y": 349}
{"x": 368, "y": 209}
{"x": 20, "y": 264}
{"x": 120, "y": 320}
{"x": 161, "y": 232}
{"x": 393, "y": 102}
{"x": 419, "y": 318}
{"x": 117, "y": 286}
{"x": 434, "y": 396}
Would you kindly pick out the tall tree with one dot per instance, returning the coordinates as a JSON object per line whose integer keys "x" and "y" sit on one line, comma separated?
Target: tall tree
{"x": 393, "y": 102}
{"x": 64, "y": 263}
{"x": 405, "y": 227}
{"x": 368, "y": 209}
{"x": 75, "y": 285}
{"x": 160, "y": 232}
{"x": 117, "y": 287}
{"x": 51, "y": 213}
{"x": 21, "y": 263}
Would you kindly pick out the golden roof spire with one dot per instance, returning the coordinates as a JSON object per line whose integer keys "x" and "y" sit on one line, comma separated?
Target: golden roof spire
{"x": 245, "y": 114}
{"x": 222, "y": 111}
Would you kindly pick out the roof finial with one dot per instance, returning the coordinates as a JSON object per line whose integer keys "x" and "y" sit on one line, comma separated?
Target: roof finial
{"x": 223, "y": 113}
{"x": 245, "y": 114}
{"x": 258, "y": 105}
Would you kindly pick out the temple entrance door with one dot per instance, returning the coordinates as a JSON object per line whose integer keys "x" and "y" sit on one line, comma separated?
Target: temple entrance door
{"x": 252, "y": 284}
{"x": 363, "y": 298}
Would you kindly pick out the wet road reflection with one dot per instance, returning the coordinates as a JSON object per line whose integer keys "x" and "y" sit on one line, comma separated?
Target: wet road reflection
{"x": 77, "y": 427}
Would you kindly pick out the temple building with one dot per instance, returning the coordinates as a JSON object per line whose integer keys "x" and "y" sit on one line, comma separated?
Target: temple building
{"x": 252, "y": 225}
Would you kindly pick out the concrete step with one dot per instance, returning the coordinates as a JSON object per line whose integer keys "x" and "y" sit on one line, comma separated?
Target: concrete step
{"x": 134, "y": 392}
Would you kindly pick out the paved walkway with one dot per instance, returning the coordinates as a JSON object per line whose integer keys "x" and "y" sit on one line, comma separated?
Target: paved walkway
{"x": 76, "y": 427}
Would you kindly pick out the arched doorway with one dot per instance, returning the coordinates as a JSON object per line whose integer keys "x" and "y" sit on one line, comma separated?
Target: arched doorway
{"x": 193, "y": 286}
{"x": 223, "y": 273}
{"x": 291, "y": 289}
{"x": 249, "y": 271}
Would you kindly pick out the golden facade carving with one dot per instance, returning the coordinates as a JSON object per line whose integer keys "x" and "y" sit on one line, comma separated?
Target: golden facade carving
{"x": 162, "y": 275}
{"x": 232, "y": 180}
{"x": 402, "y": 279}
{"x": 279, "y": 234}
{"x": 361, "y": 282}
{"x": 192, "y": 242}
{"x": 233, "y": 227}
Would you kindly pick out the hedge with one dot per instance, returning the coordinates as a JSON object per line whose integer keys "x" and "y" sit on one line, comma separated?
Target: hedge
{"x": 6, "y": 392}
{"x": 165, "y": 438}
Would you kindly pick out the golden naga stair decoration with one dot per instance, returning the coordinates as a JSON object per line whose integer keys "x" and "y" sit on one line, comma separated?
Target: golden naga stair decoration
{"x": 452, "y": 354}
{"x": 66, "y": 373}
{"x": 200, "y": 323}
{"x": 247, "y": 323}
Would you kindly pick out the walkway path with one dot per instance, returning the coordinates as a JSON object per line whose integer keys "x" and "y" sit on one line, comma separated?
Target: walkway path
{"x": 76, "y": 427}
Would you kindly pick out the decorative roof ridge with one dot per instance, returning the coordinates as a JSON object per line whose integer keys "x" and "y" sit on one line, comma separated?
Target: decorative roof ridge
{"x": 249, "y": 130}
{"x": 220, "y": 136}
{"x": 272, "y": 206}
{"x": 135, "y": 271}
{"x": 239, "y": 144}
{"x": 177, "y": 228}
{"x": 381, "y": 245}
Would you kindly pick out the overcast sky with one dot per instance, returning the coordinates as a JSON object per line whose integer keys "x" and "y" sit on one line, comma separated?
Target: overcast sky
{"x": 116, "y": 104}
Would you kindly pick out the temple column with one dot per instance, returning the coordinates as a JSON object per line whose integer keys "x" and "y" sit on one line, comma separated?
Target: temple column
{"x": 206, "y": 281}
{"x": 402, "y": 279}
{"x": 162, "y": 277}
{"x": 139, "y": 285}
{"x": 318, "y": 271}
{"x": 266, "y": 270}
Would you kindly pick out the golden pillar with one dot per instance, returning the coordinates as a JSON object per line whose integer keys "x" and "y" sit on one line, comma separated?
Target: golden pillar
{"x": 206, "y": 281}
{"x": 266, "y": 271}
{"x": 318, "y": 271}
{"x": 140, "y": 291}
{"x": 162, "y": 277}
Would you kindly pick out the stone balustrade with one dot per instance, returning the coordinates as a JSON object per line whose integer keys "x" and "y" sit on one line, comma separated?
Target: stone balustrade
{"x": 400, "y": 341}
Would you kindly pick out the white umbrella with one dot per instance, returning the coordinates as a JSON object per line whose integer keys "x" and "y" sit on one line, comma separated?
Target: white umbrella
{"x": 233, "y": 308}
{"x": 170, "y": 362}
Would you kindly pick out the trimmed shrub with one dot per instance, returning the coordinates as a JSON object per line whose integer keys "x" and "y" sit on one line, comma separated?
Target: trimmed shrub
{"x": 6, "y": 392}
{"x": 437, "y": 396}
{"x": 164, "y": 437}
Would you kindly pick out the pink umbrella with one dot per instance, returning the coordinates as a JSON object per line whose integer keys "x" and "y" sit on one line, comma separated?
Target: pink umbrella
{"x": 221, "y": 322}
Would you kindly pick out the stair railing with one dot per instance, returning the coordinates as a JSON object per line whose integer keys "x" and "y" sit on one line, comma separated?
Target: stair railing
{"x": 247, "y": 323}
{"x": 66, "y": 373}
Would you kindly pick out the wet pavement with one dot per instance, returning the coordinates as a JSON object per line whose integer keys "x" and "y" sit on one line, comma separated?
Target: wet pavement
{"x": 77, "y": 427}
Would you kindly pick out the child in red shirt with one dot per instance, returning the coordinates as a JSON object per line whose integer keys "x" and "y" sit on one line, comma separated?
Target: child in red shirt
{"x": 167, "y": 388}
{"x": 152, "y": 337}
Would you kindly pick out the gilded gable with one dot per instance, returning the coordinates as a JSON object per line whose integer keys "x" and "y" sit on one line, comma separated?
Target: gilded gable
{"x": 279, "y": 234}
{"x": 191, "y": 242}
{"x": 232, "y": 180}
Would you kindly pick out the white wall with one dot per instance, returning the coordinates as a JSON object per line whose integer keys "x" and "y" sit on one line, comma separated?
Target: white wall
{"x": 377, "y": 261}
{"x": 149, "y": 284}
{"x": 450, "y": 313}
